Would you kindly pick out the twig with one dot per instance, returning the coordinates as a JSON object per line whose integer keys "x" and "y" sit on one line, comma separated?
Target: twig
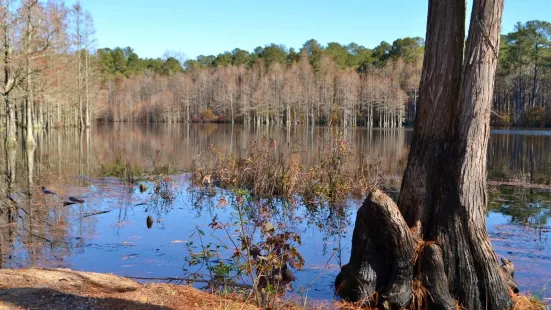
{"x": 193, "y": 280}
{"x": 92, "y": 214}
{"x": 518, "y": 184}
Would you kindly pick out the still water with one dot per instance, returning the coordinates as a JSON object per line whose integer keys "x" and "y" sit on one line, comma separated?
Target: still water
{"x": 108, "y": 232}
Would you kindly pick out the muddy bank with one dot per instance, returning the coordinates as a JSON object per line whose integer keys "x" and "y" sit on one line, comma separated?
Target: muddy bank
{"x": 67, "y": 289}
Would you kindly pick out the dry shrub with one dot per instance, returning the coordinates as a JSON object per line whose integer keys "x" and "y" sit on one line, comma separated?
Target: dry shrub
{"x": 333, "y": 179}
{"x": 267, "y": 171}
{"x": 329, "y": 179}
{"x": 264, "y": 171}
{"x": 523, "y": 302}
{"x": 207, "y": 115}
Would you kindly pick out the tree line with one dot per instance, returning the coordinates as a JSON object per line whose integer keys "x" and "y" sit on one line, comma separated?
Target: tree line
{"x": 523, "y": 79}
{"x": 335, "y": 84}
{"x": 347, "y": 85}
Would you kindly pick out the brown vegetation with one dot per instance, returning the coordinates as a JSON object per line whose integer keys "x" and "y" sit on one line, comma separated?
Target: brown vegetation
{"x": 269, "y": 171}
{"x": 269, "y": 93}
{"x": 67, "y": 289}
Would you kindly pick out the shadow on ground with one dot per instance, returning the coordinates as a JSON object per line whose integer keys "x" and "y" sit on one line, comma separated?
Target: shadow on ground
{"x": 45, "y": 298}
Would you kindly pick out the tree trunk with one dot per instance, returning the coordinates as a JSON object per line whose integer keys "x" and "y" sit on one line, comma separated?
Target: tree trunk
{"x": 441, "y": 232}
{"x": 79, "y": 116}
{"x": 87, "y": 77}
{"x": 29, "y": 106}
{"x": 534, "y": 84}
{"x": 11, "y": 133}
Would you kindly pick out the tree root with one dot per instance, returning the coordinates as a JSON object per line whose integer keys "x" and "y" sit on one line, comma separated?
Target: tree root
{"x": 508, "y": 271}
{"x": 382, "y": 254}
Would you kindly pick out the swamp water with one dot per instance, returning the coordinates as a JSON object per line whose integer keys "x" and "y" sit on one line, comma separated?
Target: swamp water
{"x": 109, "y": 231}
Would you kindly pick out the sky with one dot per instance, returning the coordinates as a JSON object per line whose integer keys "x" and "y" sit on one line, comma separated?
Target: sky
{"x": 193, "y": 27}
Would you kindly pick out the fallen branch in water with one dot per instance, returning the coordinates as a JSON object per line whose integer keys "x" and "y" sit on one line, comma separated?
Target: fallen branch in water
{"x": 92, "y": 214}
{"x": 518, "y": 184}
{"x": 188, "y": 280}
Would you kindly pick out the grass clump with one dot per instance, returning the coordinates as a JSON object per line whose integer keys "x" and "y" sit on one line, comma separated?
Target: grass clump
{"x": 528, "y": 302}
{"x": 268, "y": 171}
{"x": 122, "y": 169}
{"x": 128, "y": 170}
{"x": 264, "y": 171}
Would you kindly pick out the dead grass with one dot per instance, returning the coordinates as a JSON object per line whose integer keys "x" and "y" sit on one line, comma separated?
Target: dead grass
{"x": 65, "y": 289}
{"x": 344, "y": 305}
{"x": 525, "y": 302}
{"x": 269, "y": 171}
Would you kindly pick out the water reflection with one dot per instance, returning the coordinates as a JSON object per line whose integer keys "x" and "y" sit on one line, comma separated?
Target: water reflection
{"x": 105, "y": 232}
{"x": 518, "y": 156}
{"x": 529, "y": 207}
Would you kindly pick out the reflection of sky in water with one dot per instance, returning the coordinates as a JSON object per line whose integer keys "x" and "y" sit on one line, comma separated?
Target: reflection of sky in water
{"x": 119, "y": 242}
{"x": 123, "y": 245}
{"x": 518, "y": 225}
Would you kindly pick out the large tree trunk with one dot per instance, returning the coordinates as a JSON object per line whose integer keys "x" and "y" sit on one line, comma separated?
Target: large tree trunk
{"x": 438, "y": 238}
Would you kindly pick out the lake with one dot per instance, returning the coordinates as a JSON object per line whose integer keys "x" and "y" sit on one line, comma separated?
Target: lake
{"x": 109, "y": 231}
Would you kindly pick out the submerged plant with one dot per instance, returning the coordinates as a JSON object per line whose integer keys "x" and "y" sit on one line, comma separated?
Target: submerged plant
{"x": 123, "y": 169}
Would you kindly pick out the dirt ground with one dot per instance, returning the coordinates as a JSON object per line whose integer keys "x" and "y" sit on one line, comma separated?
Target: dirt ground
{"x": 67, "y": 289}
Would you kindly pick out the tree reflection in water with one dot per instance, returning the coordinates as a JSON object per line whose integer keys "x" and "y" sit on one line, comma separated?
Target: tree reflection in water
{"x": 37, "y": 230}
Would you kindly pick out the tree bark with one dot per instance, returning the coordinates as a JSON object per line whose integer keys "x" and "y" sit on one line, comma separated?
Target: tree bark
{"x": 443, "y": 197}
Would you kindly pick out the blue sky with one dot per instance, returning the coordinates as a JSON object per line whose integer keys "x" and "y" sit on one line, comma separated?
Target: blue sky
{"x": 195, "y": 27}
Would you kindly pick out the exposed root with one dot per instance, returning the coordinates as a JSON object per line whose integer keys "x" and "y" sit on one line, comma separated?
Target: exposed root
{"x": 382, "y": 254}
{"x": 508, "y": 272}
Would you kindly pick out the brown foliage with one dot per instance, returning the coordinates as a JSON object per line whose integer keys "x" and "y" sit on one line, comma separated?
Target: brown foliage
{"x": 269, "y": 171}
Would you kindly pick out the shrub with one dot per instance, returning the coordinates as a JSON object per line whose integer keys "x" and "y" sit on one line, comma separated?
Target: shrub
{"x": 268, "y": 172}
{"x": 207, "y": 115}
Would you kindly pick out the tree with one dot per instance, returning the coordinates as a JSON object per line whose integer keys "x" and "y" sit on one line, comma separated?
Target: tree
{"x": 223, "y": 60}
{"x": 240, "y": 57}
{"x": 314, "y": 51}
{"x": 171, "y": 66}
{"x": 89, "y": 32}
{"x": 382, "y": 52}
{"x": 338, "y": 53}
{"x": 533, "y": 41}
{"x": 78, "y": 12}
{"x": 274, "y": 53}
{"x": 10, "y": 75}
{"x": 29, "y": 98}
{"x": 407, "y": 48}
{"x": 437, "y": 237}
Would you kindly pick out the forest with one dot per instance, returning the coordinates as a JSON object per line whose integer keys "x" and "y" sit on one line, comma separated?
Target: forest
{"x": 348, "y": 85}
{"x": 53, "y": 75}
